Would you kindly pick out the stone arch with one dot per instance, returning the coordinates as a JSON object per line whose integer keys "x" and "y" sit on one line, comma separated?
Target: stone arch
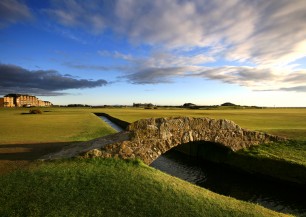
{"x": 147, "y": 139}
{"x": 150, "y": 138}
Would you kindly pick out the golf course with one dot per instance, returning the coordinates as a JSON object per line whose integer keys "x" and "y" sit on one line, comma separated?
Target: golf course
{"x": 114, "y": 187}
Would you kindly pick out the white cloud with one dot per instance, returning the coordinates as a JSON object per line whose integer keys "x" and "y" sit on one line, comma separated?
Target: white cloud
{"x": 265, "y": 32}
{"x": 266, "y": 35}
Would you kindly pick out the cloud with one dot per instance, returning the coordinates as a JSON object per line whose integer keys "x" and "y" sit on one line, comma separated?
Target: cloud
{"x": 87, "y": 67}
{"x": 87, "y": 15}
{"x": 12, "y": 11}
{"x": 256, "y": 41}
{"x": 116, "y": 54}
{"x": 94, "y": 67}
{"x": 159, "y": 67}
{"x": 252, "y": 77}
{"x": 297, "y": 77}
{"x": 242, "y": 75}
{"x": 41, "y": 82}
{"x": 292, "y": 89}
{"x": 154, "y": 75}
{"x": 262, "y": 32}
{"x": 296, "y": 89}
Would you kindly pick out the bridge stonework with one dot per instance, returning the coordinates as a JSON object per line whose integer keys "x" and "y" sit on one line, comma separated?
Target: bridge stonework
{"x": 147, "y": 139}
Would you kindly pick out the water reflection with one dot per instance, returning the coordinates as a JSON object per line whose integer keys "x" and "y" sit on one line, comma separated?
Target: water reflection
{"x": 229, "y": 182}
{"x": 113, "y": 125}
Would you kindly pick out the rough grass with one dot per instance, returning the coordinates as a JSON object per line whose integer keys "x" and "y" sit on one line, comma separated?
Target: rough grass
{"x": 53, "y": 125}
{"x": 110, "y": 187}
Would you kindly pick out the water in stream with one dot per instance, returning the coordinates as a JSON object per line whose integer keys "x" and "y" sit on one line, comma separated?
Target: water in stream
{"x": 277, "y": 196}
{"x": 226, "y": 181}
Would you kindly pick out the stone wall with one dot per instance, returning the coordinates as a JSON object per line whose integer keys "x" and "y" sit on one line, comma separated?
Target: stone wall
{"x": 147, "y": 139}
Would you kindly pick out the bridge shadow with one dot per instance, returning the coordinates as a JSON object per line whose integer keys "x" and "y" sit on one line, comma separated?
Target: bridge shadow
{"x": 20, "y": 156}
{"x": 205, "y": 150}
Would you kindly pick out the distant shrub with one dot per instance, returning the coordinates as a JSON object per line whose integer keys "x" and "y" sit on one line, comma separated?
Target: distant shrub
{"x": 35, "y": 111}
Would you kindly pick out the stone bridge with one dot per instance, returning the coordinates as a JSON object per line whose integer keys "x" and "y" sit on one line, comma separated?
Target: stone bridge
{"x": 147, "y": 139}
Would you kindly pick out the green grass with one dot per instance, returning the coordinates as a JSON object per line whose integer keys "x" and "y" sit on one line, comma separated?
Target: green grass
{"x": 110, "y": 187}
{"x": 290, "y": 151}
{"x": 79, "y": 124}
{"x": 53, "y": 125}
{"x": 290, "y": 123}
{"x": 285, "y": 161}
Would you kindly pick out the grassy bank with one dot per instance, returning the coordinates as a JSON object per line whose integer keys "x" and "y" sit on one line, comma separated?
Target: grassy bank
{"x": 284, "y": 161}
{"x": 110, "y": 187}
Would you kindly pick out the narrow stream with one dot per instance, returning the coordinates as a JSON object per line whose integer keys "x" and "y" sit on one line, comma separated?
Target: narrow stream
{"x": 110, "y": 123}
{"x": 223, "y": 180}
{"x": 229, "y": 182}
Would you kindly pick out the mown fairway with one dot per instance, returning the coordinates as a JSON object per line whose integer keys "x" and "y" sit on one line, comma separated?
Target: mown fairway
{"x": 110, "y": 187}
{"x": 290, "y": 123}
{"x": 25, "y": 137}
{"x": 53, "y": 125}
{"x": 79, "y": 124}
{"x": 28, "y": 136}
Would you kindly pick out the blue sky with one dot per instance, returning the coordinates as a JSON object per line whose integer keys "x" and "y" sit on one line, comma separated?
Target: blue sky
{"x": 167, "y": 52}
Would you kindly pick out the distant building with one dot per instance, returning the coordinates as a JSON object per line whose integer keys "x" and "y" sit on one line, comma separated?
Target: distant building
{"x": 22, "y": 100}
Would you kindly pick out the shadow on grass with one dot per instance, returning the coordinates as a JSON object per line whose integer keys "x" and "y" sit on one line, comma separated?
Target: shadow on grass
{"x": 18, "y": 156}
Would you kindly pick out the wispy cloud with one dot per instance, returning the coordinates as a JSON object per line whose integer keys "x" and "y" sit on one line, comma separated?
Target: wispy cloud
{"x": 12, "y": 11}
{"x": 258, "y": 35}
{"x": 264, "y": 32}
{"x": 116, "y": 54}
{"x": 183, "y": 37}
{"x": 296, "y": 89}
{"x": 87, "y": 66}
{"x": 87, "y": 15}
{"x": 100, "y": 68}
{"x": 154, "y": 75}
{"x": 41, "y": 82}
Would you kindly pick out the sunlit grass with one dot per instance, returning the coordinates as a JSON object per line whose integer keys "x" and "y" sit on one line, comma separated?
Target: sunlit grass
{"x": 291, "y": 151}
{"x": 80, "y": 124}
{"x": 110, "y": 187}
{"x": 53, "y": 125}
{"x": 290, "y": 123}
